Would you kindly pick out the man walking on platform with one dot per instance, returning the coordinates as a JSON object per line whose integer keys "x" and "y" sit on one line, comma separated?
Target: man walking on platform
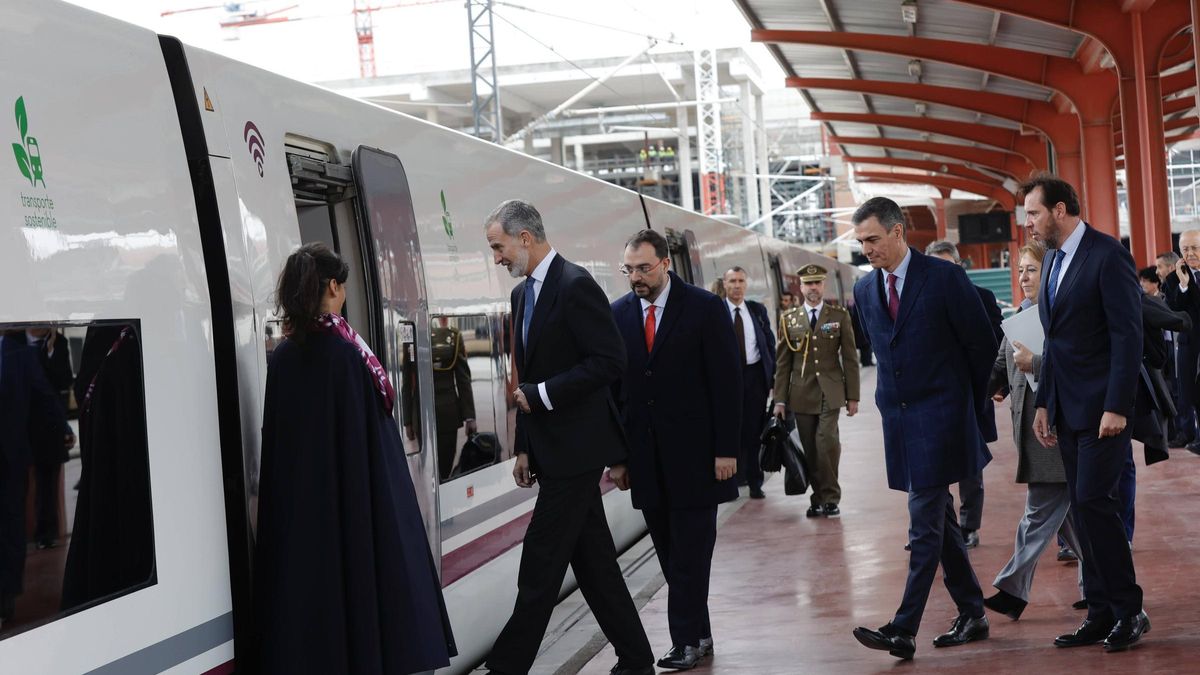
{"x": 1182, "y": 290}
{"x": 568, "y": 353}
{"x": 935, "y": 352}
{"x": 817, "y": 338}
{"x": 755, "y": 340}
{"x": 970, "y": 489}
{"x": 676, "y": 396}
{"x": 1091, "y": 315}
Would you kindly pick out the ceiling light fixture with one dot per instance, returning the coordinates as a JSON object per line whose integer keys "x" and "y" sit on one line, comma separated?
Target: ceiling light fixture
{"x": 914, "y": 68}
{"x": 908, "y": 11}
{"x": 921, "y": 107}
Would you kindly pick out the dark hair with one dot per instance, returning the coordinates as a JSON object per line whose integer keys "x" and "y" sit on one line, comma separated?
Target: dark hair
{"x": 653, "y": 238}
{"x": 515, "y": 215}
{"x": 886, "y": 211}
{"x": 302, "y": 286}
{"x": 1054, "y": 190}
{"x": 1150, "y": 274}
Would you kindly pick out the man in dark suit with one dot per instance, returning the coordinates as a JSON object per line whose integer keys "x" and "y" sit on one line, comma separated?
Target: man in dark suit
{"x": 568, "y": 353}
{"x": 935, "y": 351}
{"x": 970, "y": 490}
{"x": 1090, "y": 307}
{"x": 49, "y": 455}
{"x": 1182, "y": 291}
{"x": 756, "y": 348}
{"x": 675, "y": 396}
{"x": 28, "y": 411}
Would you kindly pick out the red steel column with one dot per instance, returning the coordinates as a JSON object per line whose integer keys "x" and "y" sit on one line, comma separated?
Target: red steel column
{"x": 1100, "y": 174}
{"x": 1145, "y": 151}
{"x": 939, "y": 214}
{"x": 1196, "y": 38}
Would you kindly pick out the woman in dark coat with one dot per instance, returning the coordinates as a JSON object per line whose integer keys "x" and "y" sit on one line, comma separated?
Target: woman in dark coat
{"x": 344, "y": 578}
{"x": 1047, "y": 502}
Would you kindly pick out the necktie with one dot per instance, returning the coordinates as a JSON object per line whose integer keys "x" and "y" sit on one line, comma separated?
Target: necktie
{"x": 527, "y": 319}
{"x": 739, "y": 329}
{"x": 1052, "y": 282}
{"x": 650, "y": 328}
{"x": 893, "y": 297}
{"x": 812, "y": 319}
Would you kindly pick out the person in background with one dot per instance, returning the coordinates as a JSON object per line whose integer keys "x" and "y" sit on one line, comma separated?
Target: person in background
{"x": 453, "y": 398}
{"x": 935, "y": 350}
{"x": 756, "y": 344}
{"x": 1180, "y": 289}
{"x": 718, "y": 288}
{"x": 355, "y": 590}
{"x": 970, "y": 491}
{"x": 49, "y": 455}
{"x": 1181, "y": 426}
{"x": 1047, "y": 499}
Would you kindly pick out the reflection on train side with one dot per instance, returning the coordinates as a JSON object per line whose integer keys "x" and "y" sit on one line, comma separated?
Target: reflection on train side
{"x": 471, "y": 375}
{"x": 76, "y": 527}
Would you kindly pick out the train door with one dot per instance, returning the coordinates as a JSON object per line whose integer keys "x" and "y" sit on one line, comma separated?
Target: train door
{"x": 685, "y": 256}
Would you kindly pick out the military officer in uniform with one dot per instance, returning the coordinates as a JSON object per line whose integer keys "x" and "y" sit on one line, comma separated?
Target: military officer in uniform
{"x": 454, "y": 403}
{"x": 816, "y": 374}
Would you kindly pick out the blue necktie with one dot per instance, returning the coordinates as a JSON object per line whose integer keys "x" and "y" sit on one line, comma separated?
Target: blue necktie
{"x": 1052, "y": 282}
{"x": 527, "y": 319}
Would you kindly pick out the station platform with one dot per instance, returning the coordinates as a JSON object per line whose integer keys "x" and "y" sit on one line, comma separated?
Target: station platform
{"x": 787, "y": 591}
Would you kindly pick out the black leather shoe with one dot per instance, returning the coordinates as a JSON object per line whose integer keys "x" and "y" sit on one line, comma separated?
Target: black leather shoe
{"x": 813, "y": 512}
{"x": 964, "y": 629}
{"x": 1193, "y": 447}
{"x": 1178, "y": 442}
{"x": 1065, "y": 554}
{"x": 831, "y": 510}
{"x": 888, "y": 638}
{"x": 706, "y": 647}
{"x": 970, "y": 538}
{"x": 908, "y": 547}
{"x": 1006, "y": 603}
{"x": 1089, "y": 633}
{"x": 622, "y": 670}
{"x": 757, "y": 493}
{"x": 679, "y": 658}
{"x": 1127, "y": 632}
{"x": 1079, "y": 604}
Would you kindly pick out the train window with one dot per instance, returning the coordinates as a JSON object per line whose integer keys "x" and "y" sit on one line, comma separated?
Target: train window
{"x": 464, "y": 351}
{"x": 76, "y": 527}
{"x": 681, "y": 259}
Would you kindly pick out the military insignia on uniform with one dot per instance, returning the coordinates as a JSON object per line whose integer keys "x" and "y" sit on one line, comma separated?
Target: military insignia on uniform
{"x": 831, "y": 329}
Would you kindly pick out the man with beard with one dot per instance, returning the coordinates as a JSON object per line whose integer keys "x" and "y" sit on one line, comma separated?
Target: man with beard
{"x": 1090, "y": 308}
{"x": 676, "y": 395}
{"x": 816, "y": 373}
{"x": 935, "y": 351}
{"x": 568, "y": 354}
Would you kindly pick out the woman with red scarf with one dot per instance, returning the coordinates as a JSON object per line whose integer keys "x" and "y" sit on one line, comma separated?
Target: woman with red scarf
{"x": 344, "y": 578}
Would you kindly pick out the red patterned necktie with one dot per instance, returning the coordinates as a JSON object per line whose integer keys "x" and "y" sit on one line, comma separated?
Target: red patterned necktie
{"x": 650, "y": 328}
{"x": 893, "y": 297}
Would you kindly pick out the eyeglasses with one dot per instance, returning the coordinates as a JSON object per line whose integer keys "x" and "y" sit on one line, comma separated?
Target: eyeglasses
{"x": 643, "y": 269}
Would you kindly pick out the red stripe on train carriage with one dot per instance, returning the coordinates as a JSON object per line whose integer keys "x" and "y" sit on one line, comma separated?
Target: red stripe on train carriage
{"x": 223, "y": 669}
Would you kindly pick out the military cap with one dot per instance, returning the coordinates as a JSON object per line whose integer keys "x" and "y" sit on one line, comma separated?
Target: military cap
{"x": 810, "y": 273}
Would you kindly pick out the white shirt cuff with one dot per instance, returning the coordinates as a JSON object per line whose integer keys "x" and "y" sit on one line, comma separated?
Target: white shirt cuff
{"x": 544, "y": 395}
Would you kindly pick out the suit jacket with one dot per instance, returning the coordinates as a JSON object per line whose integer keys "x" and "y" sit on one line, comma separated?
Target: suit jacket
{"x": 575, "y": 349}
{"x": 934, "y": 362}
{"x": 1035, "y": 463}
{"x": 816, "y": 366}
{"x": 29, "y": 408}
{"x": 1187, "y": 340}
{"x": 764, "y": 336}
{"x": 680, "y": 403}
{"x": 995, "y": 319}
{"x": 1093, "y": 334}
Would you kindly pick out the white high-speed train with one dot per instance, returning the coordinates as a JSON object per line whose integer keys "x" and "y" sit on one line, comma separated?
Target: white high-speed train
{"x": 160, "y": 187}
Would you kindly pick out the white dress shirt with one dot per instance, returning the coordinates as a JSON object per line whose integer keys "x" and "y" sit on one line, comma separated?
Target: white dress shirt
{"x": 1069, "y": 247}
{"x": 752, "y": 355}
{"x": 808, "y": 310}
{"x": 660, "y": 303}
{"x": 900, "y": 273}
{"x": 539, "y": 276}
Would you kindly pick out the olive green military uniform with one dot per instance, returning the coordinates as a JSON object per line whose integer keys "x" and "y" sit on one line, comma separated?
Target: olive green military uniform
{"x": 453, "y": 399}
{"x": 816, "y": 373}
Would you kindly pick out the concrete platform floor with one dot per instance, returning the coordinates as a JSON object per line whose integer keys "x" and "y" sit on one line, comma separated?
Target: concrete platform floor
{"x": 787, "y": 591}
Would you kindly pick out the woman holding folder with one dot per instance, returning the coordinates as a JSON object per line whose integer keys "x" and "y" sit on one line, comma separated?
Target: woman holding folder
{"x": 1047, "y": 501}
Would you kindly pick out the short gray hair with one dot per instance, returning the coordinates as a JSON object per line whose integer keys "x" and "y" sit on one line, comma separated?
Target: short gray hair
{"x": 943, "y": 247}
{"x": 1170, "y": 257}
{"x": 515, "y": 215}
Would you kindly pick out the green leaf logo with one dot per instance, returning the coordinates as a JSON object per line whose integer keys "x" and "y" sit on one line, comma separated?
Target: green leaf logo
{"x": 446, "y": 222}
{"x": 27, "y": 152}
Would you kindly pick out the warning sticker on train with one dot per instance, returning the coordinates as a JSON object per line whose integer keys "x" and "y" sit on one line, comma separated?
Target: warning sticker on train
{"x": 37, "y": 207}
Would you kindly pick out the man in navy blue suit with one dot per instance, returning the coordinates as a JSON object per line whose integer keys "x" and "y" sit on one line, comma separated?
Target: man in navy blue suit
{"x": 681, "y": 384}
{"x": 756, "y": 351}
{"x": 935, "y": 350}
{"x": 1091, "y": 316}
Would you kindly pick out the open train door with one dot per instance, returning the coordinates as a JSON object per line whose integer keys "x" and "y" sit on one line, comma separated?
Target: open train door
{"x": 401, "y": 314}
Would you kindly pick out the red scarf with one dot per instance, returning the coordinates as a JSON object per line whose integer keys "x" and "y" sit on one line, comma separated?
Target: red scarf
{"x": 336, "y": 325}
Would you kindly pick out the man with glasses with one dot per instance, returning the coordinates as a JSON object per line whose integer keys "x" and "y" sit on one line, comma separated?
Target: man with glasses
{"x": 755, "y": 342}
{"x": 676, "y": 393}
{"x": 1180, "y": 289}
